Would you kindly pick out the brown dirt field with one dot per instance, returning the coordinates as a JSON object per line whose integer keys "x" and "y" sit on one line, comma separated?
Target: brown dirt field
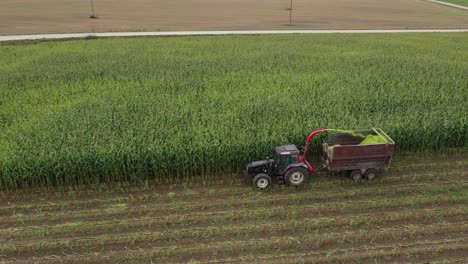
{"x": 415, "y": 212}
{"x": 64, "y": 16}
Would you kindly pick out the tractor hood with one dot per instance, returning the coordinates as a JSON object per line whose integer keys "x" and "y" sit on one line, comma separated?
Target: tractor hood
{"x": 260, "y": 163}
{"x": 259, "y": 166}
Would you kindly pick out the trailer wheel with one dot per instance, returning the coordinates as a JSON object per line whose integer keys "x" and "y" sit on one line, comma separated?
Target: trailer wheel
{"x": 371, "y": 174}
{"x": 262, "y": 181}
{"x": 356, "y": 175}
{"x": 296, "y": 176}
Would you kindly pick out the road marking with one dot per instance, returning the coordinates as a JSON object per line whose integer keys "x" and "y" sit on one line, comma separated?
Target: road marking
{"x": 449, "y": 4}
{"x": 232, "y": 32}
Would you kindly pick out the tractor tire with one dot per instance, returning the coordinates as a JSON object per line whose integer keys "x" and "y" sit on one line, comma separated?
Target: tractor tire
{"x": 356, "y": 175}
{"x": 262, "y": 181}
{"x": 296, "y": 176}
{"x": 371, "y": 174}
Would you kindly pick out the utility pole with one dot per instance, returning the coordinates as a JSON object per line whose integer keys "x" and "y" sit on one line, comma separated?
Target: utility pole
{"x": 290, "y": 12}
{"x": 92, "y": 9}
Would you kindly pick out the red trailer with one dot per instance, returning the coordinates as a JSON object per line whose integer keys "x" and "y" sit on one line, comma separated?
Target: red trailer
{"x": 343, "y": 152}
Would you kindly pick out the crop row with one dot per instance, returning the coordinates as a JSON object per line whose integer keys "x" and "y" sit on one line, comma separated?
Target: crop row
{"x": 441, "y": 250}
{"x": 203, "y": 221}
{"x": 124, "y": 212}
{"x": 328, "y": 241}
{"x": 184, "y": 237}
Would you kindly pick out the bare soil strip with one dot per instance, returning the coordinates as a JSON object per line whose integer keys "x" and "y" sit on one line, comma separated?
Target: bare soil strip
{"x": 64, "y": 16}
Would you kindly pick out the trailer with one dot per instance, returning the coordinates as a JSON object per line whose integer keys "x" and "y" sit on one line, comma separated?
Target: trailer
{"x": 358, "y": 153}
{"x": 343, "y": 152}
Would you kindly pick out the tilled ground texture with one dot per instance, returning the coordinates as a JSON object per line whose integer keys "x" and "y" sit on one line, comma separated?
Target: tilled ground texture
{"x": 415, "y": 212}
{"x": 65, "y": 16}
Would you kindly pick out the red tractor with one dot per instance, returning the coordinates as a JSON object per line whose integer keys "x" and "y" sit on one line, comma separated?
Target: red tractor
{"x": 343, "y": 152}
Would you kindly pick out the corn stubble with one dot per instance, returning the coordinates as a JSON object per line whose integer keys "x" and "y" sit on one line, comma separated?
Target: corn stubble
{"x": 414, "y": 214}
{"x": 82, "y": 112}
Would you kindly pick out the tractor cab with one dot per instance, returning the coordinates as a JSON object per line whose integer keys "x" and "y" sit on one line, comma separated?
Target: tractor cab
{"x": 285, "y": 156}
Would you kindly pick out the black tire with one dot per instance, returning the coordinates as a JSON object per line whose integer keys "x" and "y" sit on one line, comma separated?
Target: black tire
{"x": 371, "y": 174}
{"x": 356, "y": 175}
{"x": 296, "y": 176}
{"x": 262, "y": 181}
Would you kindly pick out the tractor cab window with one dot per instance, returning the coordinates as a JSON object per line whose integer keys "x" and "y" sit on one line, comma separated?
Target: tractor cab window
{"x": 294, "y": 159}
{"x": 284, "y": 160}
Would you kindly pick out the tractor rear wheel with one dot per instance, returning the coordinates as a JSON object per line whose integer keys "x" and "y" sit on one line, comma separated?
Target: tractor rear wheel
{"x": 296, "y": 176}
{"x": 371, "y": 174}
{"x": 262, "y": 181}
{"x": 356, "y": 175}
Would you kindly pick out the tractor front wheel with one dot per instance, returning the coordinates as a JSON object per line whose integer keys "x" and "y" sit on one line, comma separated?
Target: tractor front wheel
{"x": 296, "y": 176}
{"x": 262, "y": 181}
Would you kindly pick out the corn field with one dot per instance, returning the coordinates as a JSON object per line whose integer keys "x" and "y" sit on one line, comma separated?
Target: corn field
{"x": 89, "y": 111}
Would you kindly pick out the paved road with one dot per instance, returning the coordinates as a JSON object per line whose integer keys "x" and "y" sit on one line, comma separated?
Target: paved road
{"x": 208, "y": 33}
{"x": 449, "y": 4}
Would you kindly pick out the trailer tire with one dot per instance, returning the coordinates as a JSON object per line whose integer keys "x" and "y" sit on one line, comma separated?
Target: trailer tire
{"x": 262, "y": 181}
{"x": 371, "y": 174}
{"x": 356, "y": 175}
{"x": 296, "y": 176}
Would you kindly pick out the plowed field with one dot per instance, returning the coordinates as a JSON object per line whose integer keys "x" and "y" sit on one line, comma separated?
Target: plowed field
{"x": 65, "y": 16}
{"x": 414, "y": 212}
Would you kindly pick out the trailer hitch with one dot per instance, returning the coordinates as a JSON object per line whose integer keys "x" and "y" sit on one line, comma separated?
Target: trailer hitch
{"x": 319, "y": 169}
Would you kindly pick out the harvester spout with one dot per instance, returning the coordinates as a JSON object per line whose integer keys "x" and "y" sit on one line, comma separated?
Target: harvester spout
{"x": 309, "y": 138}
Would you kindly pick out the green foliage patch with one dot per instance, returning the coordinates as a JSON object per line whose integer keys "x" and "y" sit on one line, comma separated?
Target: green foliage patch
{"x": 458, "y": 2}
{"x": 136, "y": 108}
